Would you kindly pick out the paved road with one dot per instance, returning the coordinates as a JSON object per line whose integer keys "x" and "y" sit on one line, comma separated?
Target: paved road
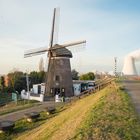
{"x": 20, "y": 114}
{"x": 133, "y": 88}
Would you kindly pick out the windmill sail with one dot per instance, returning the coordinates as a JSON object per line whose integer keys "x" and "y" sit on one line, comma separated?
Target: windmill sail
{"x": 33, "y": 52}
{"x": 74, "y": 44}
{"x": 53, "y": 38}
{"x": 83, "y": 42}
{"x": 55, "y": 27}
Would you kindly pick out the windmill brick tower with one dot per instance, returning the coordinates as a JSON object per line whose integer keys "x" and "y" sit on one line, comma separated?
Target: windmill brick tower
{"x": 58, "y": 78}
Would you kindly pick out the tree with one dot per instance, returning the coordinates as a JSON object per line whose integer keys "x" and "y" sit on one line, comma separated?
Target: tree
{"x": 17, "y": 81}
{"x": 75, "y": 74}
{"x": 87, "y": 76}
{"x": 37, "y": 77}
{"x": 2, "y": 83}
{"x": 33, "y": 78}
{"x": 20, "y": 83}
{"x": 41, "y": 76}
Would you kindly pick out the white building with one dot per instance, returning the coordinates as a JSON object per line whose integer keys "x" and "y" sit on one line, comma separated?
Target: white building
{"x": 38, "y": 90}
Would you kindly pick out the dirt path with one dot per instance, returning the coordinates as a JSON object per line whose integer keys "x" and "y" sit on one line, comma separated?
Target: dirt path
{"x": 20, "y": 114}
{"x": 133, "y": 88}
{"x": 64, "y": 125}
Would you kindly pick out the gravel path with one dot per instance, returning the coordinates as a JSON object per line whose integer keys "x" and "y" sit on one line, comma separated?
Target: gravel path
{"x": 133, "y": 88}
{"x": 20, "y": 114}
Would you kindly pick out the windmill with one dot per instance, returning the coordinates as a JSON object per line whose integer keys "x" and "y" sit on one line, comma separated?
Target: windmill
{"x": 59, "y": 78}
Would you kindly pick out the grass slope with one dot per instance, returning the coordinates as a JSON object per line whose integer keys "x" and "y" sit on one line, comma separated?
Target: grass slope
{"x": 106, "y": 115}
{"x": 114, "y": 118}
{"x": 64, "y": 125}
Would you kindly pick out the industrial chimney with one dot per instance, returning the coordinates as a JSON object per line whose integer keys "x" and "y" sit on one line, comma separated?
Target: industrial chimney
{"x": 129, "y": 67}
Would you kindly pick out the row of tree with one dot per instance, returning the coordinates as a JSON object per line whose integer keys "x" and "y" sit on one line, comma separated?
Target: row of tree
{"x": 17, "y": 80}
{"x": 86, "y": 76}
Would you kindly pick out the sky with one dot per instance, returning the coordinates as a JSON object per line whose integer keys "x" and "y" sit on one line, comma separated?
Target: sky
{"x": 110, "y": 27}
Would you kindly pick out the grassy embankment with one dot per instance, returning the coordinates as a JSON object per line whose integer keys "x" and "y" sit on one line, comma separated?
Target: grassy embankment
{"x": 113, "y": 118}
{"x": 106, "y": 115}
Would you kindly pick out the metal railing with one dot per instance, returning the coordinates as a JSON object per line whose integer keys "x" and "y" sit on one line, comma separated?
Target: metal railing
{"x": 100, "y": 84}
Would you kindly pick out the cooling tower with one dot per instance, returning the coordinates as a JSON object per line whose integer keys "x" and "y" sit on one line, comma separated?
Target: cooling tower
{"x": 129, "y": 67}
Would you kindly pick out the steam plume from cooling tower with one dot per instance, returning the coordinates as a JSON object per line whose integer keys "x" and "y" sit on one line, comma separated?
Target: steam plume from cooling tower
{"x": 129, "y": 67}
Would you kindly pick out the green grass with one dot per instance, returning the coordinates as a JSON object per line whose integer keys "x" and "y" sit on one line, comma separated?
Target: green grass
{"x": 23, "y": 126}
{"x": 63, "y": 125}
{"x": 113, "y": 118}
{"x": 105, "y": 115}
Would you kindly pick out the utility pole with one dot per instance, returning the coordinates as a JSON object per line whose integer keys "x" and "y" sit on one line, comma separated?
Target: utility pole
{"x": 115, "y": 66}
{"x": 27, "y": 82}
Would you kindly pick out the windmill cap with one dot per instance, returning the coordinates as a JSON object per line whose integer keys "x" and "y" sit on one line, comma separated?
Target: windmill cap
{"x": 61, "y": 52}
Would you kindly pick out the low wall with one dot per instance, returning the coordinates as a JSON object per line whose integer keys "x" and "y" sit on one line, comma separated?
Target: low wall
{"x": 28, "y": 96}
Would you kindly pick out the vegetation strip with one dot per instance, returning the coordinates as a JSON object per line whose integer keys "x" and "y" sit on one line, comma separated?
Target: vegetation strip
{"x": 112, "y": 118}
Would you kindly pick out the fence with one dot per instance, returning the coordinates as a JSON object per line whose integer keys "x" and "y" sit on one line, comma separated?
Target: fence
{"x": 99, "y": 85}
